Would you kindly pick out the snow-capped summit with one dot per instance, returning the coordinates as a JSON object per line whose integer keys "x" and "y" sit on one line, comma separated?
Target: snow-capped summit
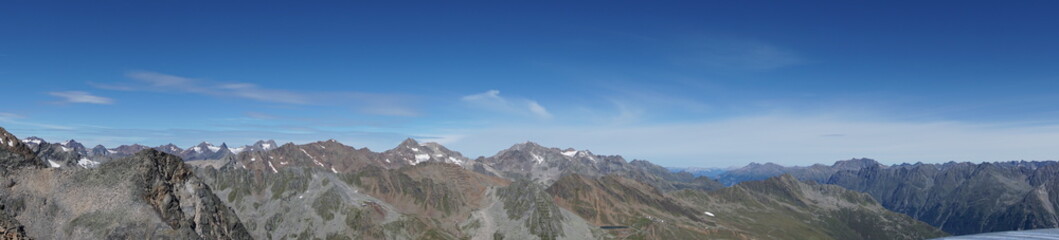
{"x": 205, "y": 151}
{"x": 546, "y": 164}
{"x": 412, "y": 152}
{"x": 170, "y": 149}
{"x": 263, "y": 145}
{"x": 33, "y": 141}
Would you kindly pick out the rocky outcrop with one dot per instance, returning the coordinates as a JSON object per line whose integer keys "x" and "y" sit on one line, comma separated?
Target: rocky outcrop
{"x": 14, "y": 154}
{"x": 181, "y": 199}
{"x": 150, "y": 195}
{"x": 10, "y": 228}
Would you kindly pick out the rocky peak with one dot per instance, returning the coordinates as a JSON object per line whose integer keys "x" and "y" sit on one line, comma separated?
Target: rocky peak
{"x": 203, "y": 147}
{"x": 408, "y": 143}
{"x": 855, "y": 163}
{"x": 411, "y": 152}
{"x": 99, "y": 150}
{"x": 73, "y": 144}
{"x": 14, "y": 153}
{"x": 265, "y": 145}
{"x": 527, "y": 146}
{"x": 168, "y": 148}
{"x": 181, "y": 199}
{"x": 34, "y": 141}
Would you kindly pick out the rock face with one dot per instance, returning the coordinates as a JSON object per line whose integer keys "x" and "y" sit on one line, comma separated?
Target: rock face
{"x": 14, "y": 154}
{"x": 965, "y": 198}
{"x": 149, "y": 195}
{"x": 10, "y": 228}
{"x": 181, "y": 199}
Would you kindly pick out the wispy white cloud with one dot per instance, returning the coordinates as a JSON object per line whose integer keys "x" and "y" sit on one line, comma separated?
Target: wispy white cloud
{"x": 81, "y": 97}
{"x": 367, "y": 103}
{"x": 492, "y": 100}
{"x": 259, "y": 115}
{"x": 738, "y": 54}
{"x": 4, "y": 115}
{"x": 17, "y": 119}
{"x": 538, "y": 110}
{"x": 158, "y": 82}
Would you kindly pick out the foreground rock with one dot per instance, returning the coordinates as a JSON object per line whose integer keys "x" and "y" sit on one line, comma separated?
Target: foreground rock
{"x": 150, "y": 195}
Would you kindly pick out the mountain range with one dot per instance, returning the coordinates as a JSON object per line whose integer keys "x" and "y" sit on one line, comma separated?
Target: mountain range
{"x": 959, "y": 198}
{"x": 329, "y": 190}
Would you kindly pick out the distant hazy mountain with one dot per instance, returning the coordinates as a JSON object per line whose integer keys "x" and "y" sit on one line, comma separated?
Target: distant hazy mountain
{"x": 712, "y": 173}
{"x": 816, "y": 172}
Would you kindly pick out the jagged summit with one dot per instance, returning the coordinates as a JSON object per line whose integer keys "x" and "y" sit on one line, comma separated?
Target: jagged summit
{"x": 525, "y": 146}
{"x": 411, "y": 152}
{"x": 15, "y": 154}
{"x": 265, "y": 145}
{"x": 170, "y": 148}
{"x": 34, "y": 140}
{"x": 409, "y": 142}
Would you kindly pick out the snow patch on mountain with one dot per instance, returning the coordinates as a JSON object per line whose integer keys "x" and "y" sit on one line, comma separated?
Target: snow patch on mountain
{"x": 33, "y": 141}
{"x": 570, "y": 153}
{"x": 539, "y": 159}
{"x": 273, "y": 167}
{"x": 311, "y": 157}
{"x": 421, "y": 158}
{"x": 87, "y": 163}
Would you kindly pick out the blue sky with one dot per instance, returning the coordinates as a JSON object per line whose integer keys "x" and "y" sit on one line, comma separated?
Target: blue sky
{"x": 709, "y": 84}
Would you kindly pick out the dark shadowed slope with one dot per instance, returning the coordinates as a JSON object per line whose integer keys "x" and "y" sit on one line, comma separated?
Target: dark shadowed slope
{"x": 965, "y": 198}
